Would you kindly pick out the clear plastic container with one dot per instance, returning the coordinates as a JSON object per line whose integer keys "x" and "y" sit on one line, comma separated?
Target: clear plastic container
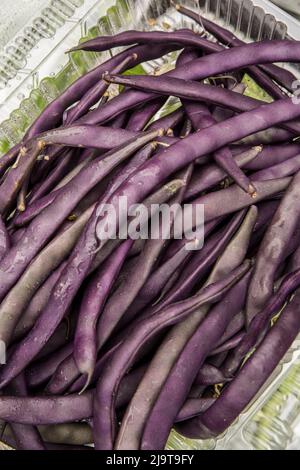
{"x": 27, "y": 85}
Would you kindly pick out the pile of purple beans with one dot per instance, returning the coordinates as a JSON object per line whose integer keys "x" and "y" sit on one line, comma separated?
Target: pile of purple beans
{"x": 114, "y": 342}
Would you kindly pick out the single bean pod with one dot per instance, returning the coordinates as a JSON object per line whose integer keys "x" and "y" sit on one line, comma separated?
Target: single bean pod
{"x": 209, "y": 375}
{"x": 95, "y": 296}
{"x": 192, "y": 90}
{"x": 46, "y": 410}
{"x": 273, "y": 155}
{"x": 231, "y": 343}
{"x": 143, "y": 114}
{"x": 229, "y": 200}
{"x": 287, "y": 168}
{"x": 42, "y": 370}
{"x": 36, "y": 305}
{"x": 183, "y": 37}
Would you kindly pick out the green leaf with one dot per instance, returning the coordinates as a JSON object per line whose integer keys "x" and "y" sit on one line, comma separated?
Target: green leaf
{"x": 255, "y": 91}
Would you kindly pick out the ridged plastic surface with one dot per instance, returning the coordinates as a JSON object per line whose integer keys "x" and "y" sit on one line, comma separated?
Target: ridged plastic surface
{"x": 270, "y": 421}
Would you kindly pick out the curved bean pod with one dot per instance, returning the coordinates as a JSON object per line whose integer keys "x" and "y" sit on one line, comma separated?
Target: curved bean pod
{"x": 191, "y": 90}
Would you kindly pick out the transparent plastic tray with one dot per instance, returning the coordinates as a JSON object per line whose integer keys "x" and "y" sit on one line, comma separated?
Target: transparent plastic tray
{"x": 269, "y": 422}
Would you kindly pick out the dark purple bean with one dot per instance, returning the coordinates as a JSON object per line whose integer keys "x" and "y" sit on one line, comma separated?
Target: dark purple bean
{"x": 194, "y": 407}
{"x": 181, "y": 37}
{"x": 270, "y": 136}
{"x": 229, "y": 344}
{"x": 92, "y": 305}
{"x": 42, "y": 370}
{"x": 46, "y": 410}
{"x": 142, "y": 115}
{"x": 102, "y": 138}
{"x": 209, "y": 375}
{"x": 287, "y": 168}
{"x": 272, "y": 155}
{"x": 192, "y": 90}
